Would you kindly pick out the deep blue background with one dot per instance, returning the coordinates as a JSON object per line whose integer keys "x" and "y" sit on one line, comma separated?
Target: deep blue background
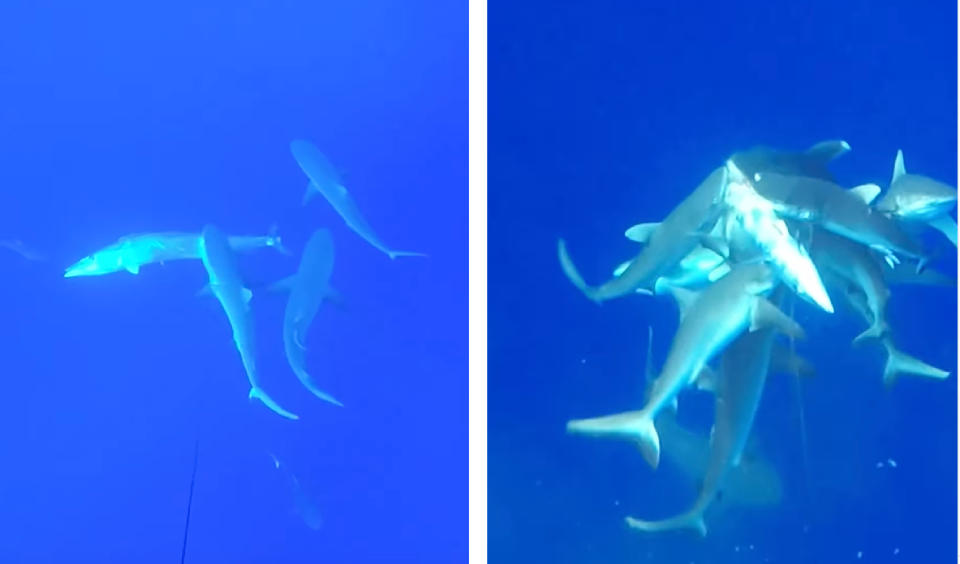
{"x": 119, "y": 117}
{"x": 602, "y": 115}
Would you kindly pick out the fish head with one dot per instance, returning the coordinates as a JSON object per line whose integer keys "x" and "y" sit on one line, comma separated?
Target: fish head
{"x": 918, "y": 198}
{"x": 103, "y": 262}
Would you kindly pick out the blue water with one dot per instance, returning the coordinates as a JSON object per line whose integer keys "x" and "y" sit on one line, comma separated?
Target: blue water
{"x": 119, "y": 118}
{"x": 604, "y": 115}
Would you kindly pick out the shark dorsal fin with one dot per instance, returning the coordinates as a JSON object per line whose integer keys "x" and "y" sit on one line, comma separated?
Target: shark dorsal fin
{"x": 247, "y": 295}
{"x": 640, "y": 233}
{"x": 898, "y": 168}
{"x": 826, "y": 151}
{"x": 866, "y": 192}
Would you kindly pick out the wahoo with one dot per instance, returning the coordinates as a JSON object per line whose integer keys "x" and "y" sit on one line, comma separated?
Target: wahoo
{"x": 134, "y": 251}
{"x": 308, "y": 288}
{"x": 709, "y": 322}
{"x": 325, "y": 180}
{"x": 226, "y": 284}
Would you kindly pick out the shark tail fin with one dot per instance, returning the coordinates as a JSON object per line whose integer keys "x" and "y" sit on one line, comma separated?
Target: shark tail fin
{"x": 875, "y": 331}
{"x": 634, "y": 425}
{"x": 276, "y": 242}
{"x": 257, "y": 393}
{"x": 570, "y": 270}
{"x": 691, "y": 520}
{"x": 899, "y": 362}
{"x": 396, "y": 254}
{"x": 946, "y": 225}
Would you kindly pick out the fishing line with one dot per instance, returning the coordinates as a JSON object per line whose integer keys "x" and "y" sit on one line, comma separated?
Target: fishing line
{"x": 798, "y": 393}
{"x": 193, "y": 477}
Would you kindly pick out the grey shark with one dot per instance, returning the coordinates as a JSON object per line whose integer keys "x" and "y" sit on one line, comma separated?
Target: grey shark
{"x": 307, "y": 290}
{"x": 709, "y": 322}
{"x": 306, "y": 507}
{"x": 744, "y": 367}
{"x": 854, "y": 266}
{"x": 227, "y": 285}
{"x": 898, "y": 362}
{"x": 132, "y": 252}
{"x": 325, "y": 180}
{"x": 914, "y": 197}
{"x": 667, "y": 244}
{"x": 843, "y": 212}
{"x": 811, "y": 162}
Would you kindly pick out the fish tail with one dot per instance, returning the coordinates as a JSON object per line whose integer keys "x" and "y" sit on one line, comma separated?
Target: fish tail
{"x": 275, "y": 241}
{"x": 692, "y": 520}
{"x": 570, "y": 270}
{"x": 257, "y": 393}
{"x": 899, "y": 362}
{"x": 876, "y": 331}
{"x": 634, "y": 425}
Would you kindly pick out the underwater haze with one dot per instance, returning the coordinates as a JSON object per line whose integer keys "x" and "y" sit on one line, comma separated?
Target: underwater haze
{"x": 120, "y": 118}
{"x": 606, "y": 115}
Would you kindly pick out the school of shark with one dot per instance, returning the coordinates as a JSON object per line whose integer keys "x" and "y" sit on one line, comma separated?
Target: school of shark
{"x": 768, "y": 227}
{"x": 219, "y": 255}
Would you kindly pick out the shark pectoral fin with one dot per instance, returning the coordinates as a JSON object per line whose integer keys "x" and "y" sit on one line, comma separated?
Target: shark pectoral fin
{"x": 641, "y": 232}
{"x": 876, "y": 331}
{"x": 946, "y": 225}
{"x": 707, "y": 380}
{"x": 718, "y": 272}
{"x": 397, "y": 254}
{"x": 686, "y": 521}
{"x": 716, "y": 244}
{"x": 132, "y": 268}
{"x": 204, "y": 292}
{"x": 311, "y": 193}
{"x": 826, "y": 151}
{"x": 898, "y": 168}
{"x": 765, "y": 314}
{"x": 283, "y": 285}
{"x": 866, "y": 192}
{"x": 623, "y": 266}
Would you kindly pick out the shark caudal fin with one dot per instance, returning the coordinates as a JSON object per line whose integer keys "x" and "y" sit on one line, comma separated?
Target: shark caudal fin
{"x": 875, "y": 331}
{"x": 257, "y": 393}
{"x": 632, "y": 425}
{"x": 901, "y": 363}
{"x": 826, "y": 151}
{"x": 570, "y": 270}
{"x": 276, "y": 242}
{"x": 693, "y": 520}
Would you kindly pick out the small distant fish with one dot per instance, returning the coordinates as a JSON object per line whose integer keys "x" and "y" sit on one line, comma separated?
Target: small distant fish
{"x": 17, "y": 246}
{"x": 306, "y": 506}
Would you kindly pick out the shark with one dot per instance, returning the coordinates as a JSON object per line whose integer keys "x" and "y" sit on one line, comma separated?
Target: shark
{"x": 227, "y": 286}
{"x": 709, "y": 321}
{"x": 813, "y": 162}
{"x": 667, "y": 243}
{"x": 307, "y": 288}
{"x": 844, "y": 212}
{"x": 914, "y": 197}
{"x": 132, "y": 252}
{"x": 743, "y": 373}
{"x": 898, "y": 362}
{"x": 325, "y": 180}
{"x": 853, "y": 265}
{"x": 305, "y": 506}
{"x": 751, "y": 222}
